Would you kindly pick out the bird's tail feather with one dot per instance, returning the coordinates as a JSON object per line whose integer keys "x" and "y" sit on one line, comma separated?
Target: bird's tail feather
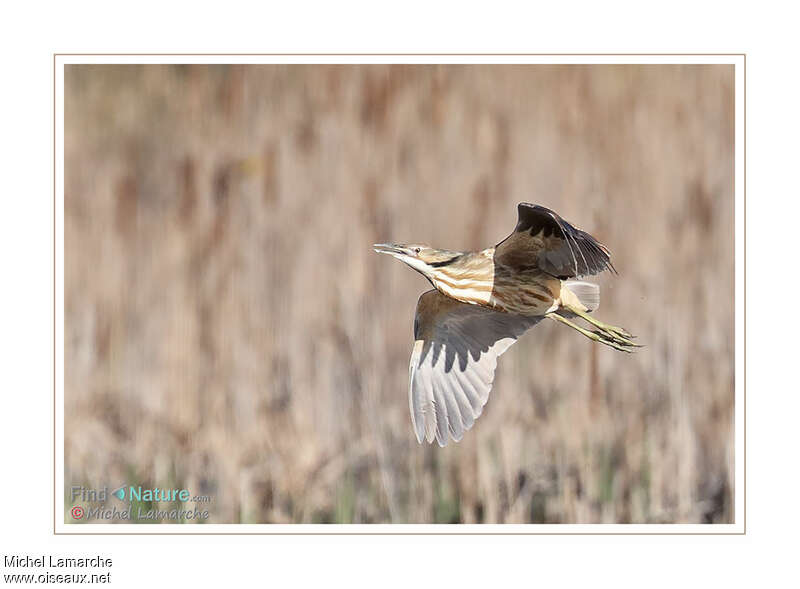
{"x": 588, "y": 294}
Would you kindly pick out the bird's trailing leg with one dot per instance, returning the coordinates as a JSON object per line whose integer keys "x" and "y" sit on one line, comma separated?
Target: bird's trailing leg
{"x": 614, "y": 331}
{"x": 616, "y": 342}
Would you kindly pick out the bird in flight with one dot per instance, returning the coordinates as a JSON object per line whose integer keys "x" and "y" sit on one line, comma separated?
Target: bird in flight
{"x": 483, "y": 301}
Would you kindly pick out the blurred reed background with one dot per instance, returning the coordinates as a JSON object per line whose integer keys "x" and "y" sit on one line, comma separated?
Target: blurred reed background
{"x": 230, "y": 330}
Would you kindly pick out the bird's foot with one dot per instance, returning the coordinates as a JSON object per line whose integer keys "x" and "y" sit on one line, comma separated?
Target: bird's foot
{"x": 608, "y": 338}
{"x": 618, "y": 334}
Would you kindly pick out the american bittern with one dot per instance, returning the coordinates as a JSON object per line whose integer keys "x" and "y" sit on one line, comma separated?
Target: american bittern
{"x": 483, "y": 301}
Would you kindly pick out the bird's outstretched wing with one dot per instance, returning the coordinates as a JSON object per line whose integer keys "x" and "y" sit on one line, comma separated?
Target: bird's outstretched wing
{"x": 544, "y": 240}
{"x": 453, "y": 363}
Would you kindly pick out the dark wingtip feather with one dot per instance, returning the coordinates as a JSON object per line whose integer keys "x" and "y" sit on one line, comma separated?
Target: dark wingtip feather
{"x": 587, "y": 255}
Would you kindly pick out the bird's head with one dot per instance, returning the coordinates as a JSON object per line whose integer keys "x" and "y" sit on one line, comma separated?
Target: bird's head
{"x": 425, "y": 260}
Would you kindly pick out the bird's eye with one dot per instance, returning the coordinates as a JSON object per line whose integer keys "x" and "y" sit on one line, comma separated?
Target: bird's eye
{"x": 417, "y": 250}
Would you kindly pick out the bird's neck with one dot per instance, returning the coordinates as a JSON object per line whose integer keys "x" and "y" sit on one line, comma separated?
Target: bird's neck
{"x": 469, "y": 278}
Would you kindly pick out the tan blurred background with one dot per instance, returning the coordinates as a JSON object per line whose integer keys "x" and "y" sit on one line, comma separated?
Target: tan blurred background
{"x": 230, "y": 330}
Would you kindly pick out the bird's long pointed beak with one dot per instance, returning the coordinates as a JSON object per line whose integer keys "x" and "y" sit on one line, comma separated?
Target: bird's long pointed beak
{"x": 390, "y": 248}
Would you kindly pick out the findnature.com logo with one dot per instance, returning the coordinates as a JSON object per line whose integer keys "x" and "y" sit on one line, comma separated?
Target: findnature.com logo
{"x": 142, "y": 504}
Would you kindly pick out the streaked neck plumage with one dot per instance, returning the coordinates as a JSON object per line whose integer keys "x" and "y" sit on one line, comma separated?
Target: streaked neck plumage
{"x": 467, "y": 277}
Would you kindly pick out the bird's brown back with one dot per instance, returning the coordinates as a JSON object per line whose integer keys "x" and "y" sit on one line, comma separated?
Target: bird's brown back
{"x": 476, "y": 278}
